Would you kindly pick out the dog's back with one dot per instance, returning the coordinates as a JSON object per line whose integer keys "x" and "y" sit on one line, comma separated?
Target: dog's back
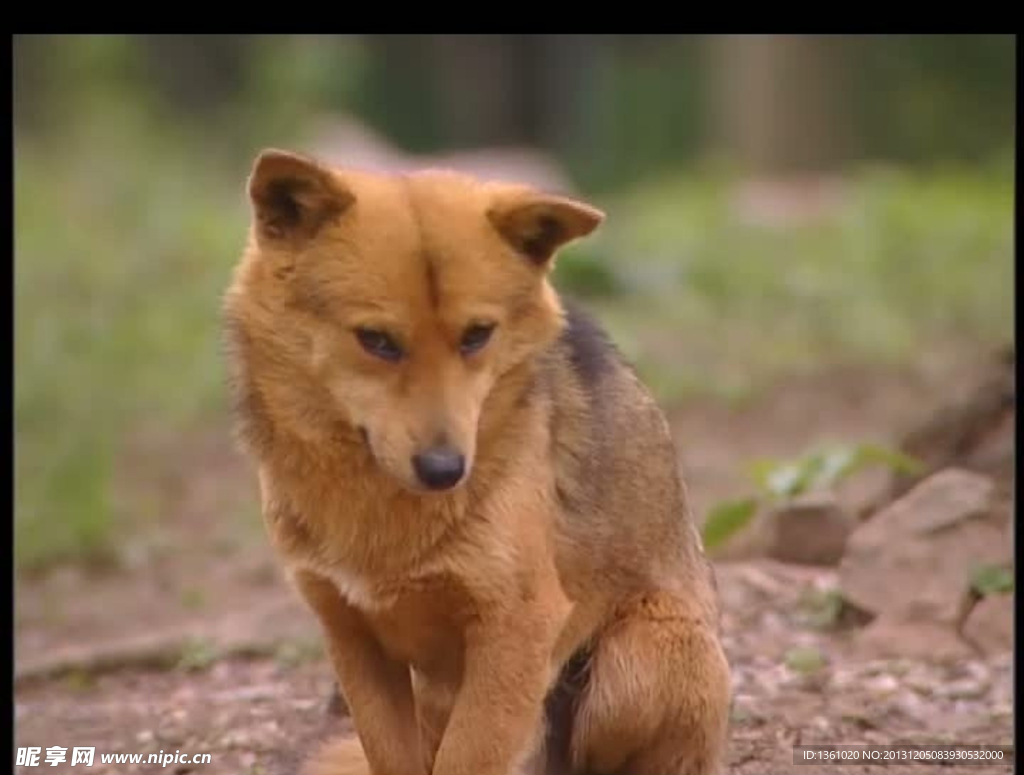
{"x": 624, "y": 503}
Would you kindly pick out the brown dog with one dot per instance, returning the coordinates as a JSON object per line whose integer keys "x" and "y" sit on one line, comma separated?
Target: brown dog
{"x": 476, "y": 497}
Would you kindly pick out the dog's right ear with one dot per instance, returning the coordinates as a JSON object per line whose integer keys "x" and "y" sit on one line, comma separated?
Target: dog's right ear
{"x": 538, "y": 224}
{"x": 293, "y": 196}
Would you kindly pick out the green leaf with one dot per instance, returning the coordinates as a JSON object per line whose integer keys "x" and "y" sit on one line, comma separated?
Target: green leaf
{"x": 825, "y": 468}
{"x": 837, "y": 464}
{"x": 894, "y": 459}
{"x": 992, "y": 580}
{"x": 787, "y": 479}
{"x": 761, "y": 471}
{"x": 780, "y": 479}
{"x": 726, "y": 519}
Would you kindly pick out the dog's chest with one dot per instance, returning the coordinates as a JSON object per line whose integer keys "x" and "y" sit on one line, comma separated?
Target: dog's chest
{"x": 359, "y": 591}
{"x": 416, "y": 622}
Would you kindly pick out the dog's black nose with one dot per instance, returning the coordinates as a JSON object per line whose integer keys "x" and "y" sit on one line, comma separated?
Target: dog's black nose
{"x": 439, "y": 468}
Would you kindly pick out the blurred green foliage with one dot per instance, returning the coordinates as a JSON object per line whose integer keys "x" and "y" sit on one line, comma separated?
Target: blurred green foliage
{"x": 826, "y": 467}
{"x": 988, "y": 580}
{"x": 907, "y": 98}
{"x": 130, "y": 212}
{"x": 124, "y": 236}
{"x": 908, "y": 260}
{"x": 778, "y": 481}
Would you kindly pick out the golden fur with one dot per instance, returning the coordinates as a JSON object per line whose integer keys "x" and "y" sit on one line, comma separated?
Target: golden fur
{"x": 551, "y": 611}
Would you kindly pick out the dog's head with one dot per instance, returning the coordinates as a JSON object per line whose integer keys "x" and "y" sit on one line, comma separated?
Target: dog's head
{"x": 402, "y": 299}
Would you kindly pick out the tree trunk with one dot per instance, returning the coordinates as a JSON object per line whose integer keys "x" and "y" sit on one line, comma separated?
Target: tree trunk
{"x": 482, "y": 88}
{"x": 779, "y": 101}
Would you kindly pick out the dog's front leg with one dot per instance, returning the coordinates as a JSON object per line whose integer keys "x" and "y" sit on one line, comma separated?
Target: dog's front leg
{"x": 498, "y": 713}
{"x": 378, "y": 689}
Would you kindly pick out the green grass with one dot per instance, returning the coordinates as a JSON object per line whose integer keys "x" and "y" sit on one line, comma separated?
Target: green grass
{"x": 123, "y": 245}
{"x": 909, "y": 261}
{"x": 125, "y": 235}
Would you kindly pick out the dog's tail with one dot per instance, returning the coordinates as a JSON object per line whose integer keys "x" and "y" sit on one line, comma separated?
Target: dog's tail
{"x": 340, "y": 756}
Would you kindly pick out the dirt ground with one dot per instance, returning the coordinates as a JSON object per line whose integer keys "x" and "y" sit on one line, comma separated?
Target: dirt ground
{"x": 194, "y": 645}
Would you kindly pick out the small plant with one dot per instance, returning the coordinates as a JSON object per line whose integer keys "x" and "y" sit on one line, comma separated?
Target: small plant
{"x": 293, "y": 653}
{"x": 196, "y": 655}
{"x": 779, "y": 481}
{"x": 826, "y": 468}
{"x": 823, "y": 608}
{"x": 805, "y": 660}
{"x": 988, "y": 580}
{"x": 80, "y": 681}
{"x": 984, "y": 581}
{"x": 827, "y": 609}
{"x": 193, "y": 598}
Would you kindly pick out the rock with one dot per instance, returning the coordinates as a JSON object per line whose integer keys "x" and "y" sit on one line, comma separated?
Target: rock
{"x": 890, "y": 636}
{"x": 995, "y": 448}
{"x": 913, "y": 560}
{"x": 811, "y": 530}
{"x": 864, "y": 494}
{"x": 990, "y": 625}
{"x": 882, "y": 685}
{"x": 963, "y": 689}
{"x": 974, "y": 431}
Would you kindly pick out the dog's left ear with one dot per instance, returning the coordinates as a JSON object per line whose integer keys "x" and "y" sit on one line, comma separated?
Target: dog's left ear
{"x": 538, "y": 224}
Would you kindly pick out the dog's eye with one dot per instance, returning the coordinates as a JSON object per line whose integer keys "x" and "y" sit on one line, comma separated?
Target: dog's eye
{"x": 475, "y": 338}
{"x": 378, "y": 343}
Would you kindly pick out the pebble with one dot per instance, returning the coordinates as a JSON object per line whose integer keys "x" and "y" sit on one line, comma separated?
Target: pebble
{"x": 843, "y": 678}
{"x": 964, "y": 689}
{"x": 821, "y": 723}
{"x": 979, "y": 671}
{"x": 882, "y": 684}
{"x": 238, "y": 738}
{"x": 264, "y": 692}
{"x": 910, "y": 705}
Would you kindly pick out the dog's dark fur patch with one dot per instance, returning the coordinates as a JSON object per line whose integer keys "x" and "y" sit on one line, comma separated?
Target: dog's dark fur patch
{"x": 590, "y": 350}
{"x": 560, "y": 710}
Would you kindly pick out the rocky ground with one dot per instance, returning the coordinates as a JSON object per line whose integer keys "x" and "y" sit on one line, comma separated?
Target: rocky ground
{"x": 194, "y": 645}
